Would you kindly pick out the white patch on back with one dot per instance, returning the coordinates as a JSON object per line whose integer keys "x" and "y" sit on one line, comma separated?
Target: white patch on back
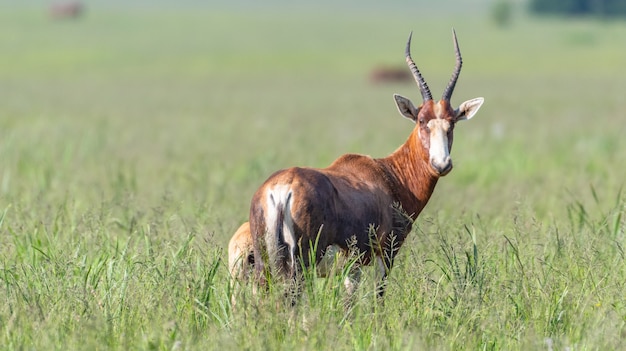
{"x": 279, "y": 197}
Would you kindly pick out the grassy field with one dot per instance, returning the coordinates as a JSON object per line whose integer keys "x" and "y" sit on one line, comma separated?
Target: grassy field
{"x": 132, "y": 139}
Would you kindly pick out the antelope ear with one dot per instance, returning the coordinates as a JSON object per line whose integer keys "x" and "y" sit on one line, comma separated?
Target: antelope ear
{"x": 468, "y": 109}
{"x": 406, "y": 107}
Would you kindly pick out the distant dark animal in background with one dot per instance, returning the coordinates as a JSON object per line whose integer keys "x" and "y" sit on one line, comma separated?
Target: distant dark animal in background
{"x": 66, "y": 10}
{"x": 387, "y": 74}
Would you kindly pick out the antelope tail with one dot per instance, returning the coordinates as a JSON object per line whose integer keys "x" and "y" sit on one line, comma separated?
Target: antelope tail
{"x": 280, "y": 236}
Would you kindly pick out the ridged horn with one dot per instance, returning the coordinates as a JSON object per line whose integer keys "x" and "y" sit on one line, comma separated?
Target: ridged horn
{"x": 421, "y": 83}
{"x": 447, "y": 94}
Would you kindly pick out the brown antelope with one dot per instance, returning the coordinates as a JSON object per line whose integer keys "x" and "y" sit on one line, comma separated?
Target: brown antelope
{"x": 358, "y": 202}
{"x": 65, "y": 10}
{"x": 383, "y": 74}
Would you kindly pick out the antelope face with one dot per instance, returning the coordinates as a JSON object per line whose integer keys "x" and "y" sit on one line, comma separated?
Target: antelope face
{"x": 435, "y": 128}
{"x": 438, "y": 132}
{"x": 435, "y": 121}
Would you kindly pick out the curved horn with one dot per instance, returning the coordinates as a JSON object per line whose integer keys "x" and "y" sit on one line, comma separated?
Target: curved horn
{"x": 447, "y": 94}
{"x": 421, "y": 83}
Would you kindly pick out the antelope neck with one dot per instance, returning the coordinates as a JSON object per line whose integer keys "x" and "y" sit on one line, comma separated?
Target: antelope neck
{"x": 408, "y": 175}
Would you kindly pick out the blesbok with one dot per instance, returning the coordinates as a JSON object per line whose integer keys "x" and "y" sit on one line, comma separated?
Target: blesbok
{"x": 358, "y": 202}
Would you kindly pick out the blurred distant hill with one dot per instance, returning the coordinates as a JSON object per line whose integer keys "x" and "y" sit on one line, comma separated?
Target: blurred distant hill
{"x": 599, "y": 8}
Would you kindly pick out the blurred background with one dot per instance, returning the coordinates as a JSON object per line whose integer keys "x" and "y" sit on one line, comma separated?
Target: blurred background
{"x": 196, "y": 103}
{"x": 134, "y": 133}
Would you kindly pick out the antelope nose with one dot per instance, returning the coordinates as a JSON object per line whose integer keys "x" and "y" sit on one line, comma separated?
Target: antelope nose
{"x": 442, "y": 167}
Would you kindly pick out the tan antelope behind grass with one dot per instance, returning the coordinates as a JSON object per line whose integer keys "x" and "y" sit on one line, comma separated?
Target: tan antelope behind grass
{"x": 358, "y": 202}
{"x": 241, "y": 253}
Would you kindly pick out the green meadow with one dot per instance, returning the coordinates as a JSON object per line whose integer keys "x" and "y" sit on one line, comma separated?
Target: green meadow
{"x": 133, "y": 138}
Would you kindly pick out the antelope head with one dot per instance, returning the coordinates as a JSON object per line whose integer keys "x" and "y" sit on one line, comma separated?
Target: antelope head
{"x": 434, "y": 121}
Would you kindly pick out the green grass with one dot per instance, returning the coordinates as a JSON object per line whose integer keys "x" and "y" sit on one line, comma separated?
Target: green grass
{"x": 132, "y": 140}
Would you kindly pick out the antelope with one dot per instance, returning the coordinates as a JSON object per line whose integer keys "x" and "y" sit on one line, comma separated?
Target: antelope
{"x": 65, "y": 10}
{"x": 385, "y": 74}
{"x": 358, "y": 202}
{"x": 240, "y": 253}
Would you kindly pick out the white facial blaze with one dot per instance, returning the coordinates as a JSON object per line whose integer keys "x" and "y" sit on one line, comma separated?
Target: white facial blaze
{"x": 439, "y": 152}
